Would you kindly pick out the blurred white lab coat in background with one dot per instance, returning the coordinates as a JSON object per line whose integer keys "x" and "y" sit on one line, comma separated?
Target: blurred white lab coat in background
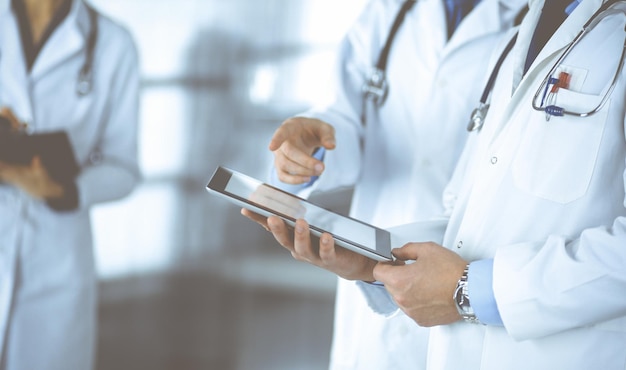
{"x": 47, "y": 274}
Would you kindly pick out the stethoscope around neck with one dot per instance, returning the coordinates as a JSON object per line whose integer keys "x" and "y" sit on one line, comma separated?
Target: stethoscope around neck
{"x": 477, "y": 118}
{"x": 555, "y": 110}
{"x": 376, "y": 87}
{"x": 84, "y": 83}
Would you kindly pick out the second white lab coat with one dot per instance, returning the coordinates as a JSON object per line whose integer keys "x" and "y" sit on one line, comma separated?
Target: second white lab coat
{"x": 546, "y": 201}
{"x": 411, "y": 146}
{"x": 47, "y": 274}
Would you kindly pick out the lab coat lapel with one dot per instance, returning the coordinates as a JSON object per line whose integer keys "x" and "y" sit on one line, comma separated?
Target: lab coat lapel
{"x": 437, "y": 37}
{"x": 73, "y": 32}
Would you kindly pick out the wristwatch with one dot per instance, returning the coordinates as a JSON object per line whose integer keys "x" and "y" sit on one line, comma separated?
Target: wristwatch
{"x": 461, "y": 299}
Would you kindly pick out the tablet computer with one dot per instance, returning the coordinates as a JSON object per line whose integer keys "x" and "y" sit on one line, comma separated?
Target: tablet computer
{"x": 268, "y": 200}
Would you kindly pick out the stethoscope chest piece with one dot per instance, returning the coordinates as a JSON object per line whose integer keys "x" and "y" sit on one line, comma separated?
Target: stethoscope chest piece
{"x": 376, "y": 87}
{"x": 83, "y": 85}
{"x": 477, "y": 119}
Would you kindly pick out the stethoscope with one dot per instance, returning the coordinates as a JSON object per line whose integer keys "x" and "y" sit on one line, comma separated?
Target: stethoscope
{"x": 84, "y": 83}
{"x": 549, "y": 80}
{"x": 376, "y": 88}
{"x": 477, "y": 118}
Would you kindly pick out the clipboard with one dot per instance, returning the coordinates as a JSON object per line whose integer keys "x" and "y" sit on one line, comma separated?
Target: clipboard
{"x": 54, "y": 149}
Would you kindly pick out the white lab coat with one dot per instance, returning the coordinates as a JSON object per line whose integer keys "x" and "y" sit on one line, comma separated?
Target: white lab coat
{"x": 411, "y": 146}
{"x": 546, "y": 200}
{"x": 47, "y": 277}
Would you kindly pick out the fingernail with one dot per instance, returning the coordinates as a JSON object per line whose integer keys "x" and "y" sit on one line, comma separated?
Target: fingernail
{"x": 299, "y": 229}
{"x": 318, "y": 168}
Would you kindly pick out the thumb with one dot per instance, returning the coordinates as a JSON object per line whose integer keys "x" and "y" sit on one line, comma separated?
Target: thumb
{"x": 7, "y": 113}
{"x": 36, "y": 162}
{"x": 383, "y": 271}
{"x": 409, "y": 251}
{"x": 326, "y": 134}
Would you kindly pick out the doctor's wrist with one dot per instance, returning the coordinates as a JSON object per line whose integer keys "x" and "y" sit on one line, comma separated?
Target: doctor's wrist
{"x": 462, "y": 300}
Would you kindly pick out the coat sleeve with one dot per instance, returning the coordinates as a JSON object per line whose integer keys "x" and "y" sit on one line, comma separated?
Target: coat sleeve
{"x": 355, "y": 58}
{"x": 115, "y": 172}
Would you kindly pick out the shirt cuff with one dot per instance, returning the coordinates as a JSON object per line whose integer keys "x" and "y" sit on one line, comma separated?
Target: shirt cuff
{"x": 377, "y": 297}
{"x": 480, "y": 290}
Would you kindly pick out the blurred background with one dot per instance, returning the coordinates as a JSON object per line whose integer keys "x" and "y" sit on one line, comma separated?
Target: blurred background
{"x": 186, "y": 281}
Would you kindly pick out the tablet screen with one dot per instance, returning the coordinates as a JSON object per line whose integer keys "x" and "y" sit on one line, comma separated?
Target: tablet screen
{"x": 291, "y": 207}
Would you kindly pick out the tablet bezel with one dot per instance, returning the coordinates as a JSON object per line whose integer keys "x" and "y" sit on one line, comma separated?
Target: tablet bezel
{"x": 222, "y": 176}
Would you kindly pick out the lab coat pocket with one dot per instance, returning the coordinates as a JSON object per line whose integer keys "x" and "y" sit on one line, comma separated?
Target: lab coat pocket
{"x": 556, "y": 158}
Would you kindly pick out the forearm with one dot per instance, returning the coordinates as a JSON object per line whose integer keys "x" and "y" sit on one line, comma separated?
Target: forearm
{"x": 106, "y": 182}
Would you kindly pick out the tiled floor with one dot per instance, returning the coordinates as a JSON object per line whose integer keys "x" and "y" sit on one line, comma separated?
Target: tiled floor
{"x": 199, "y": 320}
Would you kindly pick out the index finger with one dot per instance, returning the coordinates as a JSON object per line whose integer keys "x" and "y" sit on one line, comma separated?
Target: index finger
{"x": 282, "y": 133}
{"x": 312, "y": 133}
{"x": 293, "y": 155}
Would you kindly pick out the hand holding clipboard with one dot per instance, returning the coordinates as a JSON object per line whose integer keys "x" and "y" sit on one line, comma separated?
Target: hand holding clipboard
{"x": 53, "y": 148}
{"x": 40, "y": 164}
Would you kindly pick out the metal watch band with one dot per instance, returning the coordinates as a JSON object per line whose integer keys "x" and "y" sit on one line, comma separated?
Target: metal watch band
{"x": 461, "y": 299}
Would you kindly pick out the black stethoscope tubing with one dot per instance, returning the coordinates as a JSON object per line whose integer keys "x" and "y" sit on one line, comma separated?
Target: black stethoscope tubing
{"x": 84, "y": 83}
{"x": 478, "y": 115}
{"x": 384, "y": 54}
{"x": 376, "y": 87}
